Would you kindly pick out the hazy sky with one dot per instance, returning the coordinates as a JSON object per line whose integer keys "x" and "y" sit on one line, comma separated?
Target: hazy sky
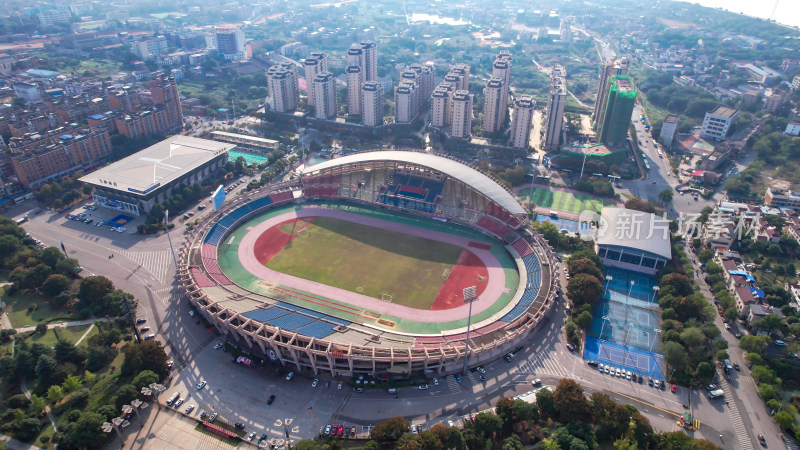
{"x": 788, "y": 11}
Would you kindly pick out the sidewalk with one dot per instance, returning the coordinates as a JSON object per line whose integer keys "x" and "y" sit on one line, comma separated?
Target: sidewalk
{"x": 73, "y": 323}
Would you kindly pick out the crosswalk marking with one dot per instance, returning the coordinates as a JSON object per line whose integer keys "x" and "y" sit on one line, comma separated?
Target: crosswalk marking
{"x": 541, "y": 364}
{"x": 736, "y": 418}
{"x": 157, "y": 263}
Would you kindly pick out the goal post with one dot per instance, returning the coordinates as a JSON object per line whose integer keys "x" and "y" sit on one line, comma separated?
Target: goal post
{"x": 386, "y": 297}
{"x": 446, "y": 274}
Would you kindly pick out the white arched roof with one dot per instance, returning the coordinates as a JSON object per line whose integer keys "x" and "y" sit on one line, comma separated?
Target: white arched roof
{"x": 454, "y": 169}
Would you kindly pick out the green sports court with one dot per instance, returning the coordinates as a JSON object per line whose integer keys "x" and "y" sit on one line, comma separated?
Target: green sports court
{"x": 563, "y": 200}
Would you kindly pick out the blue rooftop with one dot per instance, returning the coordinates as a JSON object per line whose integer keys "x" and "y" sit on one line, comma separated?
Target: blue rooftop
{"x": 42, "y": 73}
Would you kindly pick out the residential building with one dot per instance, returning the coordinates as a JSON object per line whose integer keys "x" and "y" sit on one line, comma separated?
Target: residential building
{"x": 716, "y": 123}
{"x": 796, "y": 82}
{"x": 165, "y": 93}
{"x": 192, "y": 39}
{"x": 26, "y": 91}
{"x": 405, "y": 110}
{"x": 372, "y": 104}
{"x": 618, "y": 110}
{"x": 54, "y": 15}
{"x": 461, "y": 72}
{"x": 324, "y": 96}
{"x": 42, "y": 157}
{"x": 521, "y": 122}
{"x": 441, "y": 105}
{"x": 135, "y": 184}
{"x": 668, "y": 129}
{"x": 775, "y": 99}
{"x": 230, "y": 43}
{"x": 282, "y": 89}
{"x": 493, "y": 114}
{"x": 151, "y": 47}
{"x": 793, "y": 129}
{"x": 642, "y": 248}
{"x": 369, "y": 60}
{"x": 555, "y": 108}
{"x": 501, "y": 68}
{"x": 565, "y": 31}
{"x": 317, "y": 62}
{"x": 778, "y": 198}
{"x": 462, "y": 115}
{"x": 354, "y": 96}
{"x": 612, "y": 68}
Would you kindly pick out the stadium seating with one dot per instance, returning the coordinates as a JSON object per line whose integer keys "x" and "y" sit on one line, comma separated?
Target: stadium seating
{"x": 522, "y": 247}
{"x": 281, "y": 196}
{"x": 212, "y": 266}
{"x": 200, "y": 278}
{"x": 221, "y": 279}
{"x": 291, "y": 321}
{"x": 215, "y": 235}
{"x": 493, "y": 226}
{"x": 208, "y": 251}
{"x": 265, "y": 315}
{"x": 318, "y": 330}
{"x": 255, "y": 205}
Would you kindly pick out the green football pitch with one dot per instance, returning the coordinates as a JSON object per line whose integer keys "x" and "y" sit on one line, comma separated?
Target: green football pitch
{"x": 368, "y": 260}
{"x": 563, "y": 201}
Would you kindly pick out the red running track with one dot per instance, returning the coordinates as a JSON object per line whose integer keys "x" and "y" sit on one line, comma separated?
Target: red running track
{"x": 495, "y": 276}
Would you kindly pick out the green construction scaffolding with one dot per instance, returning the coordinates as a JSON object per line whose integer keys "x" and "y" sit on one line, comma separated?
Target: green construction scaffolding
{"x": 618, "y": 110}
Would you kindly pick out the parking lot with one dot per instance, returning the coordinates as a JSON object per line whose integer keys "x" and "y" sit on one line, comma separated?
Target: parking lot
{"x": 239, "y": 394}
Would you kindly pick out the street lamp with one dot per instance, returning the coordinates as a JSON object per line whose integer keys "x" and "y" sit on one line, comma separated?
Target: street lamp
{"x": 609, "y": 279}
{"x": 655, "y": 292}
{"x": 630, "y": 289}
{"x": 657, "y": 331}
{"x": 602, "y": 326}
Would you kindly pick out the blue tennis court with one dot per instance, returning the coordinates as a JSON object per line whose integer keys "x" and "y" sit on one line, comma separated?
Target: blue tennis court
{"x": 630, "y": 287}
{"x": 249, "y": 158}
{"x": 562, "y": 224}
{"x": 638, "y": 361}
{"x": 625, "y": 324}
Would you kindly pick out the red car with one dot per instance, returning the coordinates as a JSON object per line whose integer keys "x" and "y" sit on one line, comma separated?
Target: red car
{"x": 674, "y": 388}
{"x": 341, "y": 430}
{"x": 720, "y": 312}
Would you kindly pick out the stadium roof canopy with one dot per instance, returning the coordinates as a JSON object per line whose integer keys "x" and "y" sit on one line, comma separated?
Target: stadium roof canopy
{"x": 635, "y": 229}
{"x": 157, "y": 165}
{"x": 454, "y": 169}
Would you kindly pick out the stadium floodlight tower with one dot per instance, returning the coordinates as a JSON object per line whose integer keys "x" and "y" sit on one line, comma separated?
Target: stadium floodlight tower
{"x": 609, "y": 278}
{"x": 470, "y": 295}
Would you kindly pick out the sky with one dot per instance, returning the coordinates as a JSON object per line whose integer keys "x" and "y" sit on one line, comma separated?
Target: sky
{"x": 788, "y": 11}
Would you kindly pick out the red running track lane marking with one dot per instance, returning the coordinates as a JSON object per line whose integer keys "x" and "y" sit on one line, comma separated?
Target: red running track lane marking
{"x": 467, "y": 271}
{"x": 272, "y": 241}
{"x": 494, "y": 287}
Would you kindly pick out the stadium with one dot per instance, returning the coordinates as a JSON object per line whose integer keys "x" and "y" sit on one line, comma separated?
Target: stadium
{"x": 385, "y": 263}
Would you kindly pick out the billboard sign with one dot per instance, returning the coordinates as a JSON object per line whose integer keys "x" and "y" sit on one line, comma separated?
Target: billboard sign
{"x": 218, "y": 197}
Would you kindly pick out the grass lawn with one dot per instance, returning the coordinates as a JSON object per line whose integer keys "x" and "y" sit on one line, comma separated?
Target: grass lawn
{"x": 17, "y": 308}
{"x": 368, "y": 260}
{"x": 70, "y": 334}
{"x": 563, "y": 201}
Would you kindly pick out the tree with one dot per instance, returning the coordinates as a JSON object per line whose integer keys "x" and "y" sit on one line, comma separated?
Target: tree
{"x": 94, "y": 289}
{"x": 45, "y": 369}
{"x": 67, "y": 266}
{"x": 37, "y": 405}
{"x": 125, "y": 395}
{"x": 372, "y": 445}
{"x": 571, "y": 404}
{"x": 55, "y": 284}
{"x": 784, "y": 419}
{"x": 86, "y": 432}
{"x": 389, "y": 429}
{"x": 487, "y": 425}
{"x": 148, "y": 355}
{"x": 666, "y": 196}
{"x": 675, "y": 355}
{"x": 51, "y": 256}
{"x": 754, "y": 344}
{"x": 513, "y": 443}
{"x": 770, "y": 322}
{"x": 547, "y": 407}
{"x": 584, "y": 265}
{"x": 145, "y": 378}
{"x": 307, "y": 444}
{"x": 55, "y": 394}
{"x": 584, "y": 289}
{"x": 71, "y": 383}
{"x": 89, "y": 378}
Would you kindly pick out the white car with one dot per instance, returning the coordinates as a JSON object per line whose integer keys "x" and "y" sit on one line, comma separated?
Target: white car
{"x": 201, "y": 384}
{"x": 189, "y": 409}
{"x": 618, "y": 373}
{"x": 628, "y": 375}
{"x": 218, "y": 346}
{"x": 178, "y": 402}
{"x": 315, "y": 383}
{"x": 289, "y": 376}
{"x": 423, "y": 387}
{"x": 435, "y": 381}
{"x": 450, "y": 423}
{"x": 339, "y": 387}
{"x": 480, "y": 369}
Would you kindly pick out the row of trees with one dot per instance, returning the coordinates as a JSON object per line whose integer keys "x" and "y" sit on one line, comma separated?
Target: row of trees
{"x": 561, "y": 419}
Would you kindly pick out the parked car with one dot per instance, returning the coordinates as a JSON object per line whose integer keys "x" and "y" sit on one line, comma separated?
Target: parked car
{"x": 458, "y": 378}
{"x": 149, "y": 337}
{"x": 423, "y": 387}
{"x": 537, "y": 382}
{"x": 780, "y": 343}
{"x": 314, "y": 383}
{"x": 218, "y": 345}
{"x": 239, "y": 425}
{"x": 178, "y": 402}
{"x": 289, "y": 376}
{"x": 144, "y": 329}
{"x": 251, "y": 435}
{"x": 480, "y": 369}
{"x": 435, "y": 381}
{"x": 271, "y": 399}
{"x": 190, "y": 409}
{"x": 339, "y": 387}
{"x": 201, "y": 384}
{"x": 328, "y": 429}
